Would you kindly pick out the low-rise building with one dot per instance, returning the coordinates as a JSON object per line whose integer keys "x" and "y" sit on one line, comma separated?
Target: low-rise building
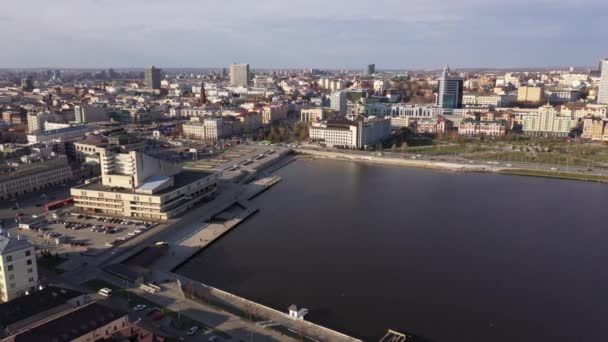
{"x": 18, "y": 180}
{"x": 436, "y": 125}
{"x": 62, "y": 134}
{"x": 89, "y": 322}
{"x": 472, "y": 126}
{"x": 18, "y": 268}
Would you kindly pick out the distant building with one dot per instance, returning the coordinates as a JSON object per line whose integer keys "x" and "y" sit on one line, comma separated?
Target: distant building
{"x": 62, "y": 134}
{"x": 450, "y": 90}
{"x": 530, "y": 94}
{"x": 18, "y": 269}
{"x": 560, "y": 96}
{"x": 87, "y": 114}
{"x": 274, "y": 113}
{"x": 471, "y": 126}
{"x": 35, "y": 121}
{"x": 15, "y": 181}
{"x": 595, "y": 129}
{"x": 208, "y": 129}
{"x": 14, "y": 116}
{"x": 602, "y": 97}
{"x": 546, "y": 121}
{"x": 489, "y": 100}
{"x": 239, "y": 75}
{"x": 315, "y": 114}
{"x": 371, "y": 69}
{"x": 338, "y": 102}
{"x": 152, "y": 77}
{"x": 434, "y": 125}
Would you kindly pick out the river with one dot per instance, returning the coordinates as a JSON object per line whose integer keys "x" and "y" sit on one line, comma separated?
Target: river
{"x": 447, "y": 256}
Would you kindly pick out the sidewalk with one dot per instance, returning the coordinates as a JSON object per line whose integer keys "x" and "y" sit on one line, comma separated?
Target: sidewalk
{"x": 237, "y": 328}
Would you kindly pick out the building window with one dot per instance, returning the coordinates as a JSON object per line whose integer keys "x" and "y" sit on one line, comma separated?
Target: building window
{"x": 28, "y": 253}
{"x": 29, "y": 270}
{"x": 9, "y": 258}
{"x": 12, "y": 286}
{"x": 11, "y": 277}
{"x": 31, "y": 279}
{"x": 11, "y": 267}
{"x": 29, "y": 262}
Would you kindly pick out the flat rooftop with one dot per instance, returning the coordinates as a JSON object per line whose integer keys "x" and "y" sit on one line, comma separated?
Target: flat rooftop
{"x": 8, "y": 172}
{"x": 181, "y": 179}
{"x": 73, "y": 325}
{"x": 39, "y": 301}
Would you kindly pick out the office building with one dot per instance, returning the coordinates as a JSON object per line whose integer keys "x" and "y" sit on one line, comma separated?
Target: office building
{"x": 61, "y": 134}
{"x": 87, "y": 114}
{"x": 208, "y": 129}
{"x": 450, "y": 90}
{"x": 602, "y": 96}
{"x": 530, "y": 94}
{"x": 338, "y": 102}
{"x": 134, "y": 184}
{"x": 315, "y": 114}
{"x": 18, "y": 180}
{"x": 152, "y": 78}
{"x": 356, "y": 134}
{"x": 18, "y": 269}
{"x": 239, "y": 75}
{"x": 371, "y": 69}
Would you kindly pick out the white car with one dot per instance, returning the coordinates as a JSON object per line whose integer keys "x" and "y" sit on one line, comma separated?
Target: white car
{"x": 139, "y": 307}
{"x": 192, "y": 330}
{"x": 106, "y": 292}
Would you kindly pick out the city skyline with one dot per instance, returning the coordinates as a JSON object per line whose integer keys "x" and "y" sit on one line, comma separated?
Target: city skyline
{"x": 313, "y": 34}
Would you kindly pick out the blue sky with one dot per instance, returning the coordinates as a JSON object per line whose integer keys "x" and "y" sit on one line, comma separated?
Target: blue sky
{"x": 404, "y": 34}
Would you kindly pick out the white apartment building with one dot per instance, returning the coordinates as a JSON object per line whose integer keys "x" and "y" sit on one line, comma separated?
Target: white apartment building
{"x": 15, "y": 181}
{"x": 194, "y": 111}
{"x": 602, "y": 96}
{"x": 546, "y": 121}
{"x": 18, "y": 268}
{"x": 239, "y": 75}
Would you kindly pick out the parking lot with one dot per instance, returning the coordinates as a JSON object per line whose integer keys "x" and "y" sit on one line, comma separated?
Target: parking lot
{"x": 80, "y": 233}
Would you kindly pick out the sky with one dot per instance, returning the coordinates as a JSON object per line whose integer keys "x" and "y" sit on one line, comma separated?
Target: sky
{"x": 336, "y": 34}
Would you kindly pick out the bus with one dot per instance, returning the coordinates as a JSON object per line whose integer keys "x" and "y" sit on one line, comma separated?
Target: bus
{"x": 59, "y": 204}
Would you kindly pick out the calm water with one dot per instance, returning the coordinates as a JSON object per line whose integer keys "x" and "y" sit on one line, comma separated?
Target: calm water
{"x": 450, "y": 257}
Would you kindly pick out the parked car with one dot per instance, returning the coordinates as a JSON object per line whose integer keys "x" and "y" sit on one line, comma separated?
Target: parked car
{"x": 192, "y": 331}
{"x": 139, "y": 307}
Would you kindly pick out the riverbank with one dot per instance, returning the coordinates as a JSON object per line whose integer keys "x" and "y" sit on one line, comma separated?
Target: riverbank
{"x": 512, "y": 169}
